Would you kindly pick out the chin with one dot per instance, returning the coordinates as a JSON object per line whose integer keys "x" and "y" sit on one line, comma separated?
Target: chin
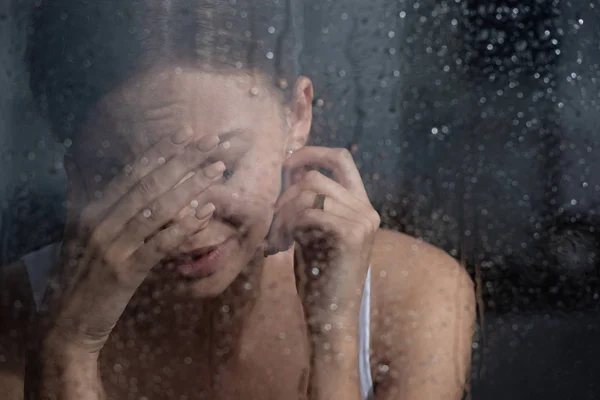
{"x": 206, "y": 288}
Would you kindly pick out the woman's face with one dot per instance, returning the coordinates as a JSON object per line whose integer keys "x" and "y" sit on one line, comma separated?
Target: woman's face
{"x": 237, "y": 107}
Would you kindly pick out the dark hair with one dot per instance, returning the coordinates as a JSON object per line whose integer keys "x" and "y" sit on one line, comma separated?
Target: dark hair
{"x": 79, "y": 50}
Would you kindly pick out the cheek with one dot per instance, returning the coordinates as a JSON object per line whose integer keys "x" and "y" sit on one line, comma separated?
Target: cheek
{"x": 258, "y": 186}
{"x": 257, "y": 178}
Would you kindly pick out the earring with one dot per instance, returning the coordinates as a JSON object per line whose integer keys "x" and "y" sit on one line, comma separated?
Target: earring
{"x": 291, "y": 150}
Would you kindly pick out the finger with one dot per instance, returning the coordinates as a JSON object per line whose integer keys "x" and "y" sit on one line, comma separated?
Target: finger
{"x": 148, "y": 189}
{"x": 241, "y": 212}
{"x": 165, "y": 209}
{"x": 129, "y": 240}
{"x": 315, "y": 230}
{"x": 230, "y": 151}
{"x": 281, "y": 235}
{"x": 338, "y": 161}
{"x": 319, "y": 183}
{"x": 165, "y": 243}
{"x": 144, "y": 163}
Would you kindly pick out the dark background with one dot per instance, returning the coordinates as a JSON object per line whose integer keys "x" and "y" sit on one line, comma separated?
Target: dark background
{"x": 474, "y": 125}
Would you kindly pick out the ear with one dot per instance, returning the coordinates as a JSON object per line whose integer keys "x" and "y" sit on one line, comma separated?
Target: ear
{"x": 300, "y": 113}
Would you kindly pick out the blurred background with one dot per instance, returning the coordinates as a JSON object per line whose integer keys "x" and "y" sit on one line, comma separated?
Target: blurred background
{"x": 474, "y": 124}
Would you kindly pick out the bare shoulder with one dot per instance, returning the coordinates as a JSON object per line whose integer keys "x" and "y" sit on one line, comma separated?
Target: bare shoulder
{"x": 422, "y": 319}
{"x": 16, "y": 305}
{"x": 401, "y": 263}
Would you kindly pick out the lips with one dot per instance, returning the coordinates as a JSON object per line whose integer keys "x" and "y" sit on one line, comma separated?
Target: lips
{"x": 199, "y": 263}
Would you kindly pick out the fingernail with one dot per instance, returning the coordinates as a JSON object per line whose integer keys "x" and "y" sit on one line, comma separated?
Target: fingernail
{"x": 205, "y": 211}
{"x": 182, "y": 135}
{"x": 208, "y": 143}
{"x": 215, "y": 170}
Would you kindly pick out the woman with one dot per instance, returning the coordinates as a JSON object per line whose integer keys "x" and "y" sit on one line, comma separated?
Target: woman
{"x": 205, "y": 254}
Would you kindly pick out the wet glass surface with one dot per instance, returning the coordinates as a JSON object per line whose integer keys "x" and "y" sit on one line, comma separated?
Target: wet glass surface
{"x": 473, "y": 125}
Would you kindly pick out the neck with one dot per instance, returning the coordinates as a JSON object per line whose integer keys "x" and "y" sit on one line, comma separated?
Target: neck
{"x": 212, "y": 327}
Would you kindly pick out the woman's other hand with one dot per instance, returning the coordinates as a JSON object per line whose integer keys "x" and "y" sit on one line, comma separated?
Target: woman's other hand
{"x": 333, "y": 224}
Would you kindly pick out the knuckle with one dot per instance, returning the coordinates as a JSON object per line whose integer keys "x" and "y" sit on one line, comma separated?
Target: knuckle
{"x": 148, "y": 185}
{"x": 200, "y": 182}
{"x": 131, "y": 174}
{"x": 189, "y": 158}
{"x": 165, "y": 242}
{"x": 140, "y": 259}
{"x": 356, "y": 233}
{"x": 110, "y": 258}
{"x": 306, "y": 197}
{"x": 312, "y": 176}
{"x": 122, "y": 276}
{"x": 96, "y": 240}
{"x": 375, "y": 219}
{"x": 156, "y": 212}
{"x": 344, "y": 154}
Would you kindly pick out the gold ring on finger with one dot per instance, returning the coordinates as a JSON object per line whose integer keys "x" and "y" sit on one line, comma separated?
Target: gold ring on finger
{"x": 319, "y": 203}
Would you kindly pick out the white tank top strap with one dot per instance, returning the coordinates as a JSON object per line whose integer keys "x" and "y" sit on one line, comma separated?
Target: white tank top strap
{"x": 364, "y": 334}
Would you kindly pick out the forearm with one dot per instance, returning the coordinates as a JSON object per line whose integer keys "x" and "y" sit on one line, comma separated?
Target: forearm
{"x": 334, "y": 372}
{"x": 63, "y": 372}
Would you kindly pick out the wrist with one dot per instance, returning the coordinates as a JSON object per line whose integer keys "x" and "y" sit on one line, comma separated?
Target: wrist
{"x": 60, "y": 369}
{"x": 335, "y": 374}
{"x": 334, "y": 366}
{"x": 71, "y": 343}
